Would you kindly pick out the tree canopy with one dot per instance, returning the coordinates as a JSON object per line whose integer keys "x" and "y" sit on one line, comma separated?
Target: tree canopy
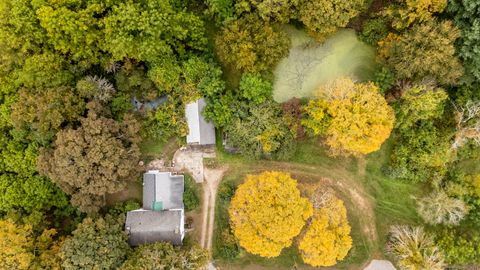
{"x": 323, "y": 17}
{"x": 251, "y": 45}
{"x": 99, "y": 243}
{"x": 262, "y": 132}
{"x": 16, "y": 245}
{"x": 424, "y": 51}
{"x": 162, "y": 255}
{"x": 467, "y": 18}
{"x": 267, "y": 212}
{"x": 354, "y": 117}
{"x": 95, "y": 159}
{"x": 327, "y": 239}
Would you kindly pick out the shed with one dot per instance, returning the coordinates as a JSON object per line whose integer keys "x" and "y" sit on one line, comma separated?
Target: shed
{"x": 200, "y": 131}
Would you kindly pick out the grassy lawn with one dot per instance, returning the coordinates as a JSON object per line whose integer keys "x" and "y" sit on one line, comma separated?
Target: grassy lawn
{"x": 155, "y": 149}
{"x": 390, "y": 201}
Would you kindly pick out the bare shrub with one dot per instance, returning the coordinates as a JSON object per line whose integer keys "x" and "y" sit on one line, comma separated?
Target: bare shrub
{"x": 438, "y": 208}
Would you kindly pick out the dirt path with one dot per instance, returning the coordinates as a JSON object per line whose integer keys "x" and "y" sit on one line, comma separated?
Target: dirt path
{"x": 212, "y": 178}
{"x": 345, "y": 182}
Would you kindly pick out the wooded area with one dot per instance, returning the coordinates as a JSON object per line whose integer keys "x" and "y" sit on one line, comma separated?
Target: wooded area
{"x": 71, "y": 72}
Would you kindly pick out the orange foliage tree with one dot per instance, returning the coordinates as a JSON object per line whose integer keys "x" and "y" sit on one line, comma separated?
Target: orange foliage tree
{"x": 267, "y": 212}
{"x": 354, "y": 117}
{"x": 327, "y": 239}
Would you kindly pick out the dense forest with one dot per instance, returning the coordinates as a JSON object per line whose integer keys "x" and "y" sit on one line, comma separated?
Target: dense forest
{"x": 72, "y": 134}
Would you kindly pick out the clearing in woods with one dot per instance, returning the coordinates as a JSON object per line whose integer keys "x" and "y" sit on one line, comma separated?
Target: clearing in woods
{"x": 371, "y": 199}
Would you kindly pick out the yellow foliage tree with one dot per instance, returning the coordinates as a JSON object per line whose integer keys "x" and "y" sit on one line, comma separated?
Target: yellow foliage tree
{"x": 267, "y": 212}
{"x": 21, "y": 249}
{"x": 359, "y": 118}
{"x": 412, "y": 11}
{"x": 327, "y": 239}
{"x": 16, "y": 245}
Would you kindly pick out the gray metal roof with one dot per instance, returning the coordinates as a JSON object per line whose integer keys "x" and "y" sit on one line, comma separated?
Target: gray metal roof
{"x": 144, "y": 226}
{"x": 163, "y": 187}
{"x": 200, "y": 131}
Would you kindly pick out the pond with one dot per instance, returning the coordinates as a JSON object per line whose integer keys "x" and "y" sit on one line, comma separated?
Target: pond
{"x": 310, "y": 64}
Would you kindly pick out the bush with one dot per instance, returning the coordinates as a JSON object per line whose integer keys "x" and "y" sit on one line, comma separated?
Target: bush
{"x": 124, "y": 207}
{"x": 226, "y": 190}
{"x": 459, "y": 247}
{"x": 191, "y": 196}
{"x": 384, "y": 79}
{"x": 226, "y": 246}
{"x": 120, "y": 105}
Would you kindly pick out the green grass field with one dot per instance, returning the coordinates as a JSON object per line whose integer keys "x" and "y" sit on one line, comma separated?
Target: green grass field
{"x": 390, "y": 201}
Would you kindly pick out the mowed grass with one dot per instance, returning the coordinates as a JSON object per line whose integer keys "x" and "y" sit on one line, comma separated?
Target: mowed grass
{"x": 393, "y": 202}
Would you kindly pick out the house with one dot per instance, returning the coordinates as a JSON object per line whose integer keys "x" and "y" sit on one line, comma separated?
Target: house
{"x": 201, "y": 131}
{"x": 162, "y": 217}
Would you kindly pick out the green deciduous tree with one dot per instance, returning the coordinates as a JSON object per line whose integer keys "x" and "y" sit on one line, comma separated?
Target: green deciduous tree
{"x": 44, "y": 111}
{"x": 255, "y": 88}
{"x": 97, "y": 158}
{"x": 421, "y": 153}
{"x": 17, "y": 156}
{"x": 424, "y": 51}
{"x": 132, "y": 80}
{"x": 221, "y": 9}
{"x": 44, "y": 70}
{"x": 251, "y": 45}
{"x": 74, "y": 28}
{"x": 467, "y": 19}
{"x": 29, "y": 193}
{"x": 374, "y": 30}
{"x": 269, "y": 10}
{"x": 420, "y": 102}
{"x": 220, "y": 109}
{"x": 149, "y": 29}
{"x": 166, "y": 121}
{"x": 262, "y": 132}
{"x": 459, "y": 247}
{"x": 96, "y": 244}
{"x": 163, "y": 255}
{"x": 267, "y": 212}
{"x": 165, "y": 72}
{"x": 201, "y": 77}
{"x": 20, "y": 32}
{"x": 422, "y": 149}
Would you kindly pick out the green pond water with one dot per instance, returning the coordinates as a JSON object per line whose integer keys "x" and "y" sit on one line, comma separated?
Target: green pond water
{"x": 310, "y": 64}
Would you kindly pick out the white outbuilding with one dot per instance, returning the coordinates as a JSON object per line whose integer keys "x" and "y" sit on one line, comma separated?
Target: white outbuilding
{"x": 201, "y": 131}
